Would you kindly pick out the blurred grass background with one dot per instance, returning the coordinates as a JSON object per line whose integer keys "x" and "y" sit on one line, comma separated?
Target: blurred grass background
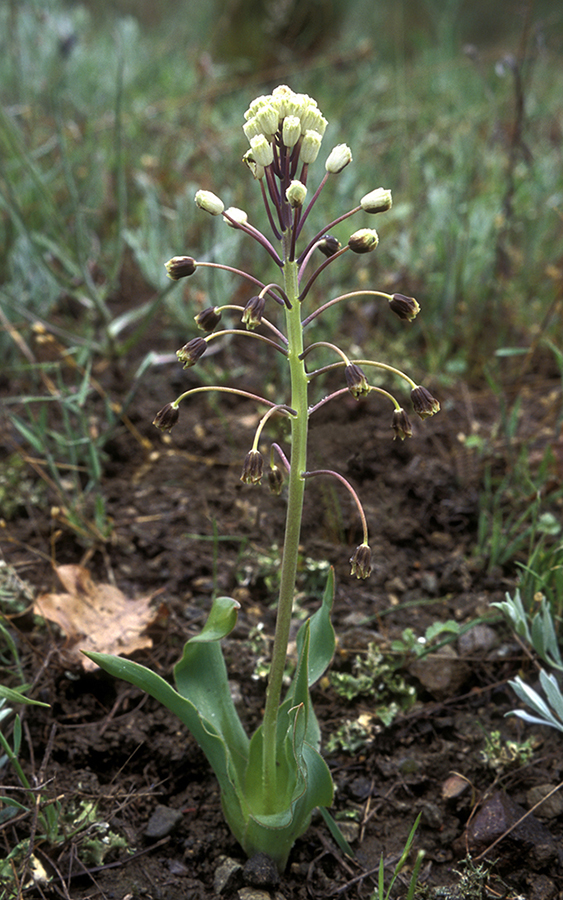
{"x": 113, "y": 113}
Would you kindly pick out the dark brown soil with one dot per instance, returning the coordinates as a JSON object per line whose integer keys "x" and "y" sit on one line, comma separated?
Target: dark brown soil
{"x": 103, "y": 741}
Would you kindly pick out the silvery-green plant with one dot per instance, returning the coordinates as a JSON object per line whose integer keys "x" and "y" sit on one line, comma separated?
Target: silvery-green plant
{"x": 539, "y": 632}
{"x": 271, "y": 782}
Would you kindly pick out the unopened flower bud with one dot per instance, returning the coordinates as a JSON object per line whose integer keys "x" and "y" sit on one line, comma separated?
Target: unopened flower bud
{"x": 364, "y": 241}
{"x": 401, "y": 425}
{"x": 267, "y": 118}
{"x": 291, "y": 131}
{"x": 424, "y": 404}
{"x": 338, "y": 159}
{"x": 208, "y": 319}
{"x": 248, "y": 160}
{"x": 239, "y": 216}
{"x": 356, "y": 381}
{"x": 404, "y": 307}
{"x": 192, "y": 351}
{"x": 180, "y": 267}
{"x": 310, "y": 147}
{"x": 275, "y": 480}
{"x": 251, "y": 128}
{"x": 361, "y": 562}
{"x": 329, "y": 245}
{"x": 262, "y": 150}
{"x": 210, "y": 202}
{"x": 252, "y": 467}
{"x": 296, "y": 194}
{"x": 313, "y": 120}
{"x": 377, "y": 201}
{"x": 253, "y": 311}
{"x": 166, "y": 417}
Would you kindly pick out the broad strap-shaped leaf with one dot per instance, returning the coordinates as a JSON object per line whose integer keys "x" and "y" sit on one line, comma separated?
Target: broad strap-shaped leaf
{"x": 209, "y": 713}
{"x": 201, "y": 676}
{"x": 322, "y": 640}
{"x": 275, "y": 832}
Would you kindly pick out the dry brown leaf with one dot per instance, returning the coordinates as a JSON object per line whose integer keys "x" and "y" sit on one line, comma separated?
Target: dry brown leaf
{"x": 96, "y": 617}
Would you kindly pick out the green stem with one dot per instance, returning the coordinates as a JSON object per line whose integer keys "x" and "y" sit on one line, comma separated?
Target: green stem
{"x": 296, "y": 488}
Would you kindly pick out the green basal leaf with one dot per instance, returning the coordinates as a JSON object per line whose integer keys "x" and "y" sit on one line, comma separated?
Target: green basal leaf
{"x": 276, "y": 833}
{"x": 322, "y": 635}
{"x": 220, "y": 622}
{"x": 203, "y": 701}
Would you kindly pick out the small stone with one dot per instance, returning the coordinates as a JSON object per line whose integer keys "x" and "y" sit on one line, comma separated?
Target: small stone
{"x": 529, "y": 842}
{"x": 227, "y": 873}
{"x": 261, "y": 872}
{"x": 478, "y": 639}
{"x": 432, "y": 816}
{"x": 541, "y": 888}
{"x": 350, "y": 831}
{"x": 162, "y": 822}
{"x": 441, "y": 673}
{"x": 550, "y": 808}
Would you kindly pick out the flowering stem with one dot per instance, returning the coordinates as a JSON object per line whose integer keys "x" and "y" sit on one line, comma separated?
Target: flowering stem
{"x": 296, "y": 486}
{"x": 264, "y": 321}
{"x": 342, "y": 391}
{"x": 213, "y": 265}
{"x": 281, "y": 408}
{"x": 251, "y": 334}
{"x": 226, "y": 390}
{"x": 363, "y": 362}
{"x": 318, "y": 271}
{"x": 348, "y": 487}
{"x": 326, "y": 228}
{"x": 321, "y": 309}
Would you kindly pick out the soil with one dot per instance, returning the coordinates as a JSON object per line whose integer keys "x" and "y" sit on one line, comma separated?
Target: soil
{"x": 168, "y": 495}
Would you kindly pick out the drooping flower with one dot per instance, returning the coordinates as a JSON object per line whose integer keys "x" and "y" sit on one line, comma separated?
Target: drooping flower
{"x": 180, "y": 267}
{"x": 166, "y": 417}
{"x": 424, "y": 404}
{"x": 252, "y": 468}
{"x": 404, "y": 307}
{"x": 361, "y": 561}
{"x": 192, "y": 351}
{"x": 356, "y": 381}
{"x": 401, "y": 425}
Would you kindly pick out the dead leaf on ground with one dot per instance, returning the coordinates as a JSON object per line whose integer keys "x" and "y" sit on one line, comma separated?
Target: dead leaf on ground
{"x": 96, "y": 617}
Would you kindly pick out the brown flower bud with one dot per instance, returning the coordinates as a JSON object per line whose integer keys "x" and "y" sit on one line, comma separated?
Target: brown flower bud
{"x": 253, "y": 311}
{"x": 361, "y": 562}
{"x": 252, "y": 467}
{"x": 356, "y": 381}
{"x": 424, "y": 404}
{"x": 363, "y": 241}
{"x": 404, "y": 307}
{"x": 329, "y": 245}
{"x": 192, "y": 351}
{"x": 275, "y": 480}
{"x": 401, "y": 425}
{"x": 208, "y": 318}
{"x": 166, "y": 417}
{"x": 180, "y": 267}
